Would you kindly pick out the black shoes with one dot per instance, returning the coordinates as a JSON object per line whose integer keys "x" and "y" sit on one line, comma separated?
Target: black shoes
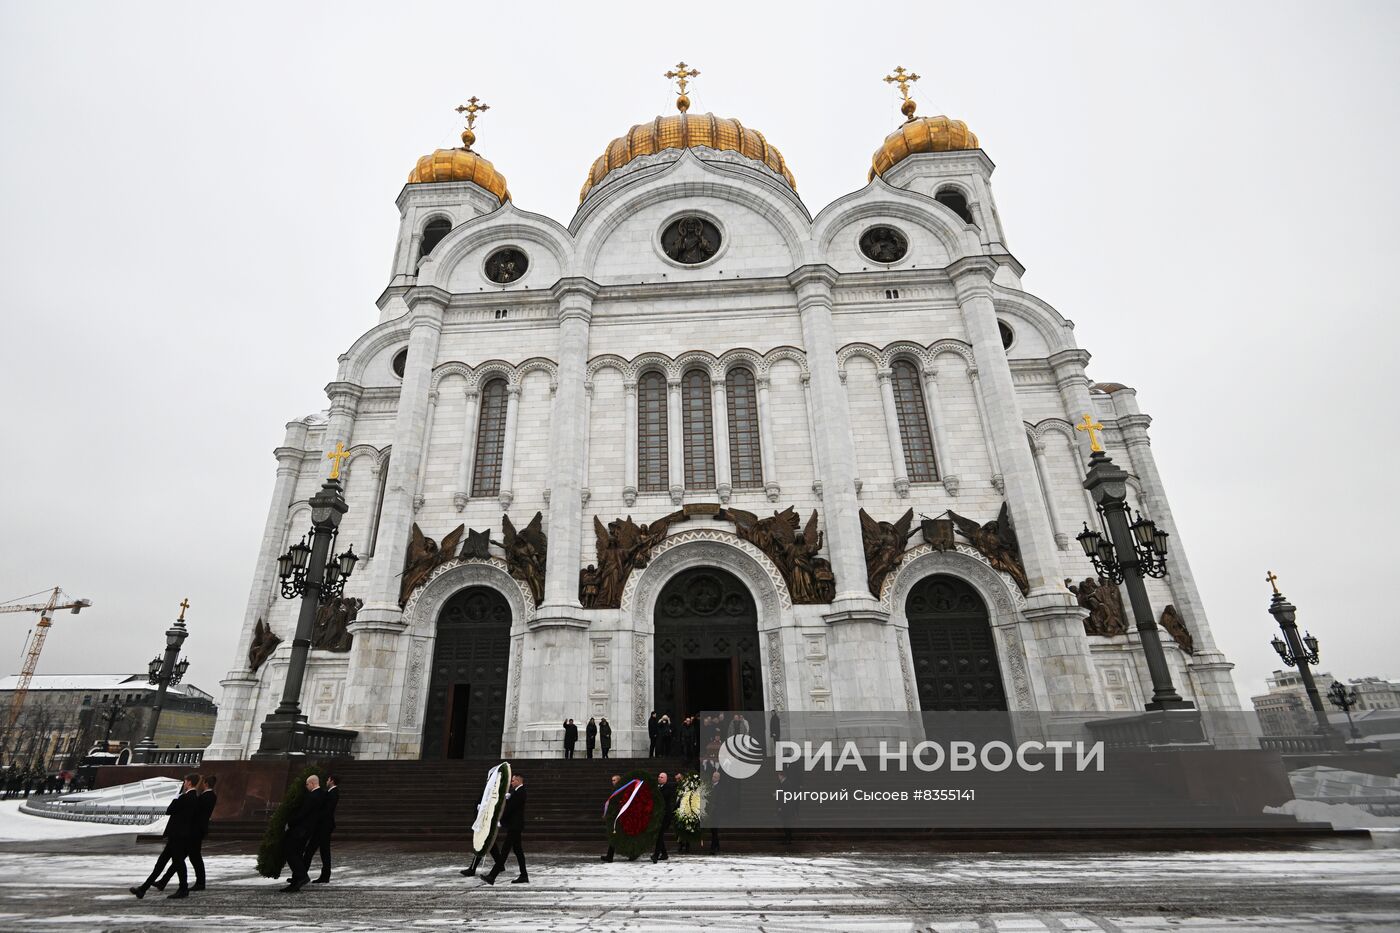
{"x": 158, "y": 885}
{"x": 523, "y": 879}
{"x": 322, "y": 880}
{"x": 197, "y": 886}
{"x": 489, "y": 879}
{"x": 469, "y": 872}
{"x": 606, "y": 858}
{"x": 140, "y": 891}
{"x": 178, "y": 895}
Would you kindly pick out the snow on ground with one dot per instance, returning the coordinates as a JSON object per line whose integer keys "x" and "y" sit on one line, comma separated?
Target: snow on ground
{"x": 22, "y": 827}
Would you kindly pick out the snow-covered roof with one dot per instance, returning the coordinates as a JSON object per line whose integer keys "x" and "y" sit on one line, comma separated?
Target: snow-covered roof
{"x": 109, "y": 682}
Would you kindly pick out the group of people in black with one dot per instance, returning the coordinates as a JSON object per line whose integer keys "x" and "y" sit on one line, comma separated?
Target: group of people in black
{"x": 699, "y": 736}
{"x": 668, "y": 788}
{"x": 307, "y": 833}
{"x": 184, "y": 834}
{"x": 597, "y": 731}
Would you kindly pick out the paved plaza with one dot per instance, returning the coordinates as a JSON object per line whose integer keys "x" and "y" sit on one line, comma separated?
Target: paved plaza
{"x": 1346, "y": 885}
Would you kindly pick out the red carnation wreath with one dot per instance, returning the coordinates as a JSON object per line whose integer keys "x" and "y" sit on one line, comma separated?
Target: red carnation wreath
{"x": 631, "y": 816}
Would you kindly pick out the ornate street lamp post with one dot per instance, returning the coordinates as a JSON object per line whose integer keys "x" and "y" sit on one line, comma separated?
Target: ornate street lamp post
{"x": 1125, "y": 552}
{"x": 1297, "y": 651}
{"x": 1344, "y": 699}
{"x": 309, "y": 573}
{"x": 163, "y": 671}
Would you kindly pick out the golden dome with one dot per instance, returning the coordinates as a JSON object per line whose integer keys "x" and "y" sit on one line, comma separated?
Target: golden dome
{"x": 681, "y": 131}
{"x": 925, "y": 134}
{"x": 460, "y": 165}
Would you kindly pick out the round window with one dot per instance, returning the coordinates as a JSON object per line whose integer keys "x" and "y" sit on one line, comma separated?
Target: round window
{"x": 883, "y": 244}
{"x": 690, "y": 240}
{"x": 1007, "y": 334}
{"x": 400, "y": 362}
{"x": 506, "y": 265}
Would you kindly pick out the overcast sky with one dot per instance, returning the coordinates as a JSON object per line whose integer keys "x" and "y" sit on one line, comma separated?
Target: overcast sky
{"x": 198, "y": 214}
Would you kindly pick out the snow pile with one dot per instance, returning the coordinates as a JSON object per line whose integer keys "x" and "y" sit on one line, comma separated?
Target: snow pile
{"x": 137, "y": 802}
{"x": 1340, "y": 815}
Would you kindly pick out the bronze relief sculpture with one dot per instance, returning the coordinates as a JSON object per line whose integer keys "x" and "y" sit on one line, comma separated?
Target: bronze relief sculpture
{"x": 792, "y": 548}
{"x": 1105, "y": 604}
{"x": 423, "y": 557}
{"x": 996, "y": 541}
{"x": 1176, "y": 627}
{"x": 333, "y": 619}
{"x": 884, "y": 544}
{"x": 526, "y": 553}
{"x": 265, "y": 641}
{"x": 623, "y": 546}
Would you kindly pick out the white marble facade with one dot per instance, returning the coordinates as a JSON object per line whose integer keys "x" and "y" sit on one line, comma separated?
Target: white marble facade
{"x": 790, "y": 296}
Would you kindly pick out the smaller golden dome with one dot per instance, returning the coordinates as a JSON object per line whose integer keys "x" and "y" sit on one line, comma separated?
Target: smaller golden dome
{"x": 924, "y": 134}
{"x": 460, "y": 165}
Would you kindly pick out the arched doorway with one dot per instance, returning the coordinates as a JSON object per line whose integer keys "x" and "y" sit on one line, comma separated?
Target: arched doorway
{"x": 955, "y": 657}
{"x": 471, "y": 663}
{"x": 706, "y": 645}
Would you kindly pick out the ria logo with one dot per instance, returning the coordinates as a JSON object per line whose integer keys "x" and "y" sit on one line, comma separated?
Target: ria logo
{"x": 740, "y": 756}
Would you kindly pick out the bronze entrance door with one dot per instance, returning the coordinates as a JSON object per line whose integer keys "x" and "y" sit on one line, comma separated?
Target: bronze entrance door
{"x": 706, "y": 645}
{"x": 955, "y": 658}
{"x": 467, "y": 693}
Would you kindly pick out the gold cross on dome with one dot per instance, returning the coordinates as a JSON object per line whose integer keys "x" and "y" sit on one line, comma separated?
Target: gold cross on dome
{"x": 184, "y": 604}
{"x": 1272, "y": 578}
{"x": 902, "y": 78}
{"x": 336, "y": 456}
{"x": 1090, "y": 425}
{"x": 683, "y": 73}
{"x": 471, "y": 108}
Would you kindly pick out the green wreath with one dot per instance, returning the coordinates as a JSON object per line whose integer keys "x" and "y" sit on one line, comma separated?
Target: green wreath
{"x": 644, "y": 840}
{"x": 271, "y": 857}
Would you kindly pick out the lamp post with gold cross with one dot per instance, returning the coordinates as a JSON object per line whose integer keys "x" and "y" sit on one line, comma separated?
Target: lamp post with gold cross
{"x": 162, "y": 672}
{"x": 1298, "y": 651}
{"x": 308, "y": 572}
{"x": 1126, "y": 552}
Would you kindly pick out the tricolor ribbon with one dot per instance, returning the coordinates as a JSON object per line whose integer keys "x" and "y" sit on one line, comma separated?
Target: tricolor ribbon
{"x": 636, "y": 785}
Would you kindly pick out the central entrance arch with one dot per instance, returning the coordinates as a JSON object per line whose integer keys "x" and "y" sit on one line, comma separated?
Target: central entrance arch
{"x": 471, "y": 664}
{"x": 707, "y": 655}
{"x": 955, "y": 656}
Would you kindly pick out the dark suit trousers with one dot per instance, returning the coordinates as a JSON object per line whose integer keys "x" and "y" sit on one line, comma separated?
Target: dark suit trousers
{"x": 296, "y": 848}
{"x": 510, "y": 844}
{"x": 196, "y": 859}
{"x": 321, "y": 843}
{"x": 660, "y": 849}
{"x": 174, "y": 853}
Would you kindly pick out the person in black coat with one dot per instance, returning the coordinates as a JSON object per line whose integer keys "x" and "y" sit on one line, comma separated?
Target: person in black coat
{"x": 590, "y": 735}
{"x": 605, "y": 735}
{"x": 616, "y": 780}
{"x": 322, "y": 840}
{"x": 664, "y": 732}
{"x": 181, "y": 831}
{"x": 570, "y": 738}
{"x": 302, "y": 828}
{"x": 513, "y": 822}
{"x": 208, "y": 799}
{"x": 668, "y": 812}
{"x": 651, "y": 733}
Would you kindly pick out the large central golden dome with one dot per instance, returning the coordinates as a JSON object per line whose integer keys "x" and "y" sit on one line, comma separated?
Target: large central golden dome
{"x": 681, "y": 131}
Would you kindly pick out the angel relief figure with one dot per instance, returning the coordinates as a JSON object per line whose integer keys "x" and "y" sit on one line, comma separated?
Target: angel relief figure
{"x": 265, "y": 641}
{"x": 424, "y": 556}
{"x": 996, "y": 541}
{"x": 526, "y": 552}
{"x": 809, "y": 577}
{"x": 622, "y": 546}
{"x": 884, "y": 544}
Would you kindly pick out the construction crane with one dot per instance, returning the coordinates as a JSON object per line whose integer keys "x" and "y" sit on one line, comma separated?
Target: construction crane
{"x": 57, "y": 600}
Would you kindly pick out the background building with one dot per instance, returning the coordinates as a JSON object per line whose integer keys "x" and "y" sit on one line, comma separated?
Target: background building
{"x": 64, "y": 715}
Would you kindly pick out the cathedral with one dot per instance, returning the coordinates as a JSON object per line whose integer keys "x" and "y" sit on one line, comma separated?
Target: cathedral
{"x": 702, "y": 449}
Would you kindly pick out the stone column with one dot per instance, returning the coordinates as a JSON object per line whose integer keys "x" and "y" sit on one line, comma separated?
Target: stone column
{"x": 555, "y": 655}
{"x": 1210, "y": 671}
{"x": 1073, "y": 385}
{"x": 507, "y": 492}
{"x": 418, "y": 490}
{"x": 340, "y": 425}
{"x": 1042, "y": 469}
{"x": 941, "y": 448}
{"x": 769, "y": 463}
{"x": 629, "y": 442}
{"x": 1056, "y": 643}
{"x": 468, "y": 454}
{"x": 812, "y": 433}
{"x": 370, "y": 683}
{"x": 719, "y": 411}
{"x": 998, "y": 481}
{"x": 885, "y": 377}
{"x": 232, "y": 736}
{"x": 675, "y": 444}
{"x": 584, "y": 492}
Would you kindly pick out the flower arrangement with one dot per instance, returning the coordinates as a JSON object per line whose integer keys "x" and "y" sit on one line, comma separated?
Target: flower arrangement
{"x": 488, "y": 812}
{"x": 692, "y": 797}
{"x": 631, "y": 816}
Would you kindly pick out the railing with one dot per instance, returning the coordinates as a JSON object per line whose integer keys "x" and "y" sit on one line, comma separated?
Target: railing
{"x": 168, "y": 756}
{"x": 1150, "y": 730}
{"x": 1297, "y": 744}
{"x": 325, "y": 742}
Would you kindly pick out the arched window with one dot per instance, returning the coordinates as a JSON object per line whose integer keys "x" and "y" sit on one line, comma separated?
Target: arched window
{"x": 652, "y": 467}
{"x": 697, "y": 420}
{"x": 433, "y": 233}
{"x": 954, "y": 200}
{"x": 490, "y": 439}
{"x": 913, "y": 423}
{"x": 378, "y": 506}
{"x": 745, "y": 454}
